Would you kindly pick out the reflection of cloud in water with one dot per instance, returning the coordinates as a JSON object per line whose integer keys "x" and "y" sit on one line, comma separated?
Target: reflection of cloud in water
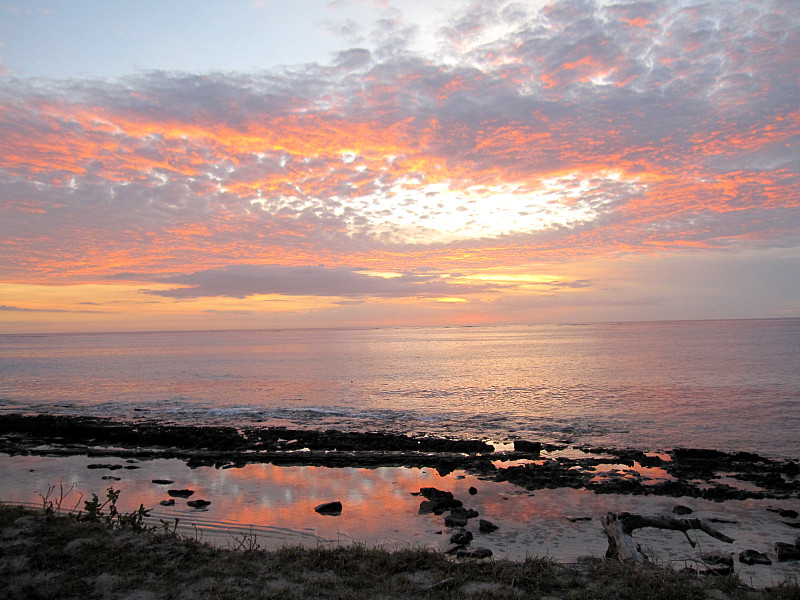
{"x": 276, "y": 503}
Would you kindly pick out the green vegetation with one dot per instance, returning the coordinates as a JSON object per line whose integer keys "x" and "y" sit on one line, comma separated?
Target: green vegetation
{"x": 101, "y": 553}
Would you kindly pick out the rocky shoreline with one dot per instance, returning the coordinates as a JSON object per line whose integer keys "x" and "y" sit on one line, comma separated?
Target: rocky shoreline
{"x": 681, "y": 472}
{"x": 752, "y": 493}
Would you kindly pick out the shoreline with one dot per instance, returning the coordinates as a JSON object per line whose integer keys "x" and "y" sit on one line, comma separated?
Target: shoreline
{"x": 680, "y": 472}
{"x": 547, "y": 499}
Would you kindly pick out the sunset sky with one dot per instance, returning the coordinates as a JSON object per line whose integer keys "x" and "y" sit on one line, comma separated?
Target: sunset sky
{"x": 210, "y": 165}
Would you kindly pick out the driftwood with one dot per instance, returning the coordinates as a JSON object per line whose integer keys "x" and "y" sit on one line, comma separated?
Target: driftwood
{"x": 620, "y": 526}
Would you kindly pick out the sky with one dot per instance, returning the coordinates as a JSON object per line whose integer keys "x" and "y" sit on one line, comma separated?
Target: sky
{"x": 359, "y": 163}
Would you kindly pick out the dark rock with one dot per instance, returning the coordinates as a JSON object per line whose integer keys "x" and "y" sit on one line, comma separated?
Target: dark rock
{"x": 457, "y": 519}
{"x": 680, "y": 509}
{"x": 462, "y": 537}
{"x": 438, "y": 501}
{"x": 472, "y": 491}
{"x": 474, "y": 553}
{"x": 753, "y": 557}
{"x": 445, "y": 466}
{"x": 131, "y": 467}
{"x": 455, "y": 549}
{"x": 618, "y": 485}
{"x": 180, "y": 493}
{"x": 697, "y": 454}
{"x": 718, "y": 558}
{"x": 426, "y": 507}
{"x": 431, "y": 493}
{"x": 293, "y": 439}
{"x": 550, "y": 475}
{"x": 485, "y": 526}
{"x": 788, "y": 513}
{"x": 749, "y": 457}
{"x": 794, "y": 524}
{"x": 577, "y": 519}
{"x": 329, "y": 508}
{"x": 527, "y": 447}
{"x": 104, "y": 466}
{"x": 676, "y": 489}
{"x": 110, "y": 478}
{"x": 198, "y": 503}
{"x": 447, "y": 504}
{"x": 163, "y": 481}
{"x": 170, "y": 502}
{"x": 721, "y": 492}
{"x": 791, "y": 468}
{"x": 786, "y": 551}
{"x": 718, "y": 563}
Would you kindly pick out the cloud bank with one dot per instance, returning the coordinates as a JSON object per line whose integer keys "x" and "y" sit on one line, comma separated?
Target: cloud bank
{"x": 579, "y": 130}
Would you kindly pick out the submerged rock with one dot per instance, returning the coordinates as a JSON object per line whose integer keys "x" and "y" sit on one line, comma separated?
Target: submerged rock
{"x": 170, "y": 502}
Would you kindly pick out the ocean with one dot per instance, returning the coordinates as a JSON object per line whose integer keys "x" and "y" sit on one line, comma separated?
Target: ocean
{"x": 732, "y": 385}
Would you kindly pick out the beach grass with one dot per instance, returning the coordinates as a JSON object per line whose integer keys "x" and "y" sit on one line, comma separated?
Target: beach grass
{"x": 45, "y": 554}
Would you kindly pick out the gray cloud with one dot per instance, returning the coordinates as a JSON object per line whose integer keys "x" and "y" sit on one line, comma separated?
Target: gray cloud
{"x": 240, "y": 281}
{"x": 7, "y": 308}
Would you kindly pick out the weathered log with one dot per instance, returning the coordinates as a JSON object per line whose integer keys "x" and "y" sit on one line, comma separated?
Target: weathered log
{"x": 620, "y": 526}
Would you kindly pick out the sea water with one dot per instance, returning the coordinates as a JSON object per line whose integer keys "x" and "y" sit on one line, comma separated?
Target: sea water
{"x": 731, "y": 385}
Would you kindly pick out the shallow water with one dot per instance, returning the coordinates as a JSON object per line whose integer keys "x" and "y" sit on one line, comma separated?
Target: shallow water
{"x": 274, "y": 506}
{"x": 731, "y": 385}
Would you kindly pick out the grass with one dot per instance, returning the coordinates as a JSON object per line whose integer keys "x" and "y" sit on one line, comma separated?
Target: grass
{"x": 47, "y": 554}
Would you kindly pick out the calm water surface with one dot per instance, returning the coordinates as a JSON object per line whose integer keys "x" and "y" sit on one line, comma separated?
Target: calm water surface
{"x": 731, "y": 385}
